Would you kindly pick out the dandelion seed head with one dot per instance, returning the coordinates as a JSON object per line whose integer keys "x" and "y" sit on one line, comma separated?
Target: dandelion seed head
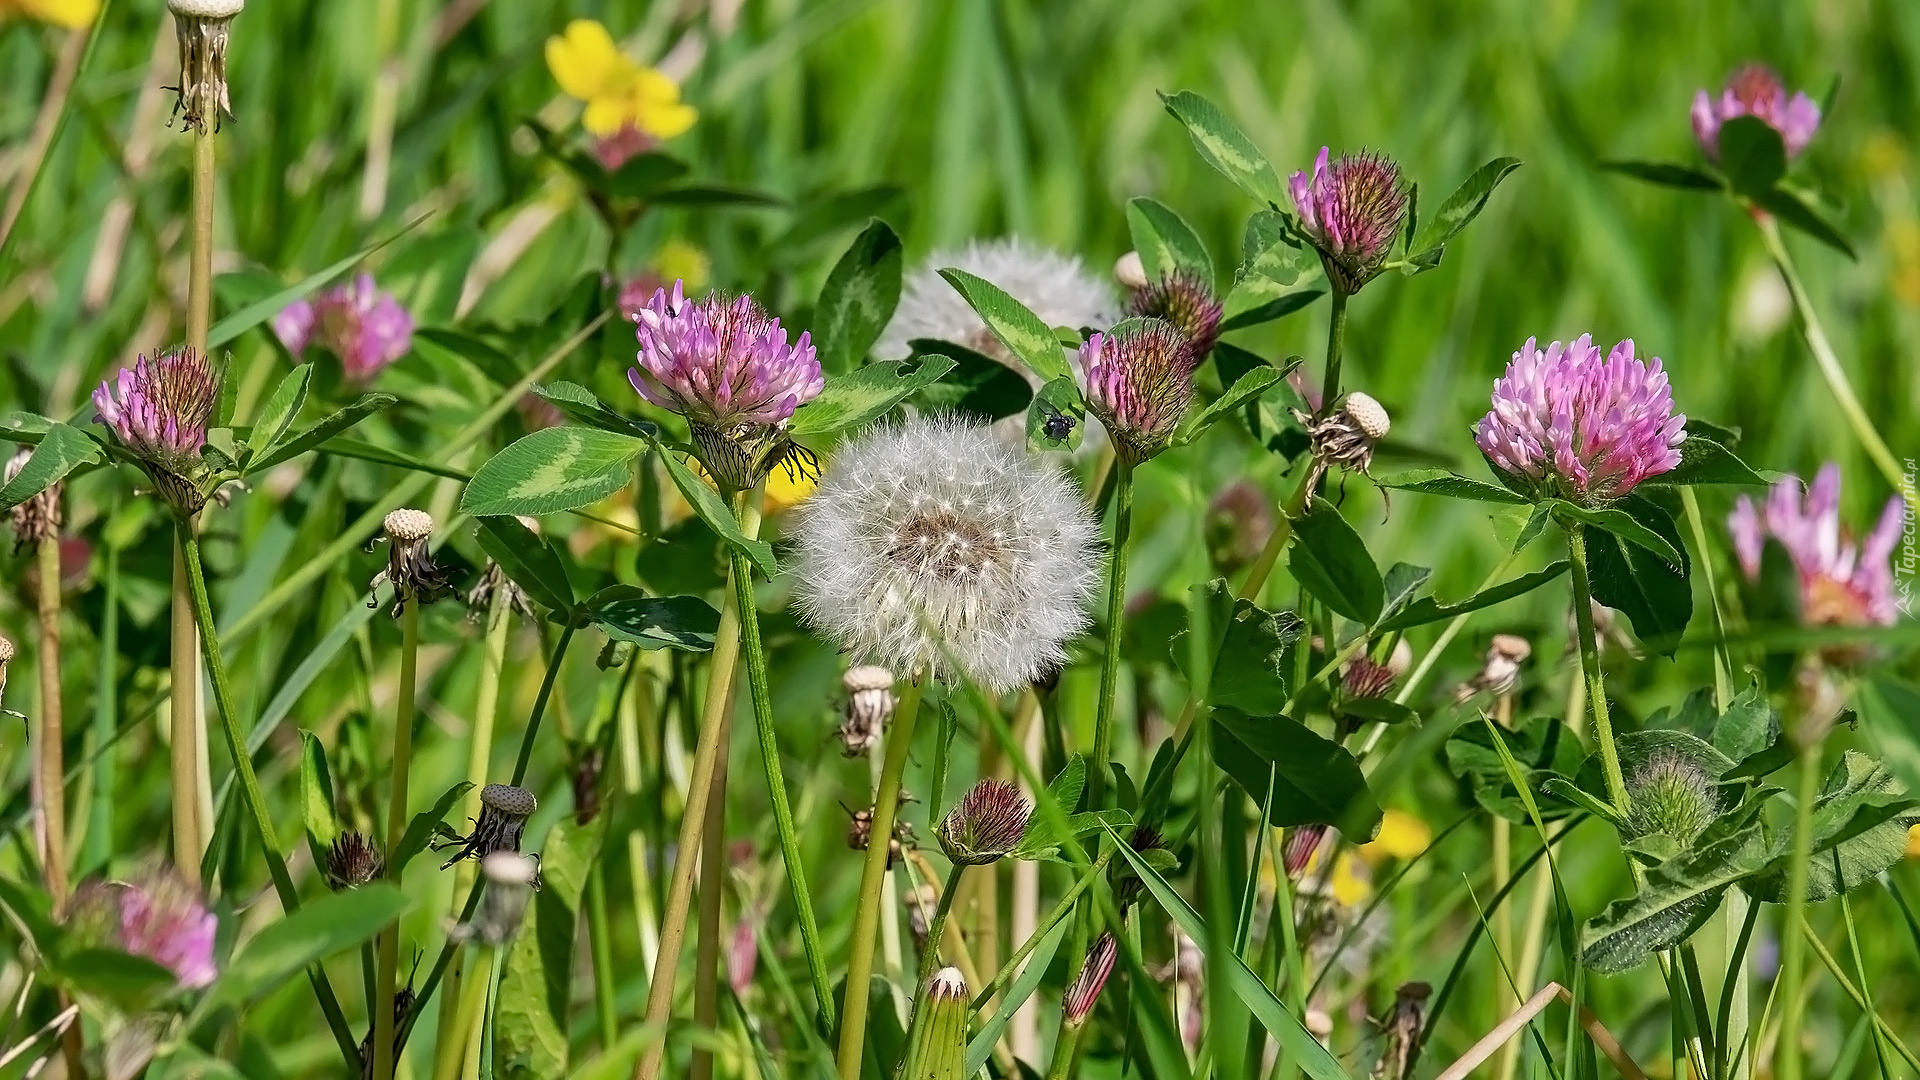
{"x": 1058, "y": 288}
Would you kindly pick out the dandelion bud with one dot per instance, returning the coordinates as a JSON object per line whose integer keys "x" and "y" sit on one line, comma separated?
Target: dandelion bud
{"x": 1346, "y": 436}
{"x": 504, "y": 811}
{"x": 1567, "y": 423}
{"x": 410, "y": 566}
{"x": 1401, "y": 1033}
{"x": 937, "y": 1049}
{"x": 1756, "y": 90}
{"x": 353, "y": 859}
{"x": 1139, "y": 382}
{"x": 158, "y": 411}
{"x": 987, "y": 824}
{"x": 1301, "y": 844}
{"x": 1500, "y": 671}
{"x": 870, "y": 703}
{"x": 201, "y": 26}
{"x": 1188, "y": 302}
{"x": 511, "y": 880}
{"x": 1671, "y": 794}
{"x": 1084, "y": 991}
{"x": 35, "y": 519}
{"x": 1238, "y": 522}
{"x": 1350, "y": 211}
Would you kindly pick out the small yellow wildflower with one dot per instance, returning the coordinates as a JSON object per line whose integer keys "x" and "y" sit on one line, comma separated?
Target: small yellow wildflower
{"x": 1350, "y": 887}
{"x": 681, "y": 260}
{"x": 788, "y": 487}
{"x": 619, "y": 93}
{"x": 1402, "y": 836}
{"x": 1913, "y": 842}
{"x": 72, "y": 14}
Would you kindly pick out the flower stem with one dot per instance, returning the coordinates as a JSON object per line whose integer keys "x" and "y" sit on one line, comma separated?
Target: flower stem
{"x": 1116, "y": 626}
{"x": 472, "y": 996}
{"x": 873, "y": 872}
{"x": 673, "y": 923}
{"x": 188, "y": 550}
{"x": 200, "y": 256}
{"x": 183, "y": 688}
{"x": 51, "y": 770}
{"x": 713, "y": 880}
{"x": 601, "y": 942}
{"x": 1011, "y": 969}
{"x": 1336, "y": 334}
{"x": 1829, "y": 364}
{"x": 1065, "y": 1048}
{"x": 387, "y": 975}
{"x": 1793, "y": 948}
{"x": 756, "y": 663}
{"x": 1590, "y": 664}
{"x": 937, "y": 927}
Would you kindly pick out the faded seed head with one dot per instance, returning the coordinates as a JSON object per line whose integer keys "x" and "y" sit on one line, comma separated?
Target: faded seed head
{"x": 201, "y": 26}
{"x": 1368, "y": 415}
{"x": 407, "y": 525}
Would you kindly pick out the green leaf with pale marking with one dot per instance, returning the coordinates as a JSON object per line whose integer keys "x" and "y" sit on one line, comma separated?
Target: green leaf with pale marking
{"x": 1166, "y": 242}
{"x": 1451, "y": 485}
{"x": 1018, "y": 328}
{"x": 858, "y": 299}
{"x": 1058, "y": 405}
{"x": 582, "y": 406}
{"x": 707, "y": 503}
{"x": 551, "y": 470}
{"x": 628, "y": 613}
{"x": 1224, "y": 146}
{"x": 1463, "y": 205}
{"x": 62, "y": 449}
{"x": 865, "y": 394}
{"x": 321, "y": 928}
{"x": 1247, "y": 388}
{"x": 280, "y": 410}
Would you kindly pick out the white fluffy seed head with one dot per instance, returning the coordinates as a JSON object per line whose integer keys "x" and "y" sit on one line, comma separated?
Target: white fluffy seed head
{"x": 407, "y": 525}
{"x": 935, "y": 545}
{"x": 1368, "y": 415}
{"x": 205, "y": 9}
{"x": 947, "y": 983}
{"x": 1058, "y": 288}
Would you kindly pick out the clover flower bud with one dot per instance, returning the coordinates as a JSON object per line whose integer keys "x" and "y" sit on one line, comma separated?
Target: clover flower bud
{"x": 1350, "y": 211}
{"x": 1756, "y": 90}
{"x": 158, "y": 914}
{"x": 366, "y": 328}
{"x": 504, "y": 811}
{"x": 353, "y": 859}
{"x": 410, "y": 566}
{"x": 987, "y": 824}
{"x": 1366, "y": 677}
{"x": 937, "y": 1048}
{"x": 36, "y": 519}
{"x": 1500, "y": 670}
{"x": 1671, "y": 794}
{"x": 1188, "y": 302}
{"x": 1139, "y": 380}
{"x": 1077, "y": 1004}
{"x": 201, "y": 26}
{"x": 870, "y": 704}
{"x": 158, "y": 410}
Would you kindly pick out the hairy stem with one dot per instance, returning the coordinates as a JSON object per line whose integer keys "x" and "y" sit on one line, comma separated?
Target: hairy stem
{"x": 1116, "y": 625}
{"x": 387, "y": 975}
{"x": 1336, "y": 334}
{"x": 873, "y": 873}
{"x": 183, "y": 714}
{"x": 1590, "y": 664}
{"x": 1793, "y": 948}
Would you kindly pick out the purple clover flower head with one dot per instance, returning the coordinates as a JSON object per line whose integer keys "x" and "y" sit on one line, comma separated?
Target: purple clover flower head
{"x": 366, "y": 328}
{"x": 722, "y": 363}
{"x": 1841, "y": 584}
{"x": 1568, "y": 424}
{"x": 1351, "y": 209}
{"x": 159, "y": 408}
{"x": 1756, "y": 90}
{"x": 1139, "y": 382}
{"x": 158, "y": 915}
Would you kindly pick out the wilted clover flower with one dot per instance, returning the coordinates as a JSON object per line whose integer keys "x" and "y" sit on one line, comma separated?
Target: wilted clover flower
{"x": 1058, "y": 288}
{"x": 934, "y": 546}
{"x": 1841, "y": 584}
{"x": 1077, "y": 1004}
{"x": 1756, "y": 90}
{"x": 1302, "y": 843}
{"x": 1671, "y": 794}
{"x": 158, "y": 410}
{"x": 201, "y": 27}
{"x": 1185, "y": 300}
{"x": 1139, "y": 382}
{"x": 987, "y": 824}
{"x": 1566, "y": 423}
{"x": 353, "y": 860}
{"x": 504, "y": 811}
{"x": 410, "y": 568}
{"x": 1350, "y": 210}
{"x": 158, "y": 915}
{"x": 35, "y": 519}
{"x": 725, "y": 365}
{"x": 366, "y": 328}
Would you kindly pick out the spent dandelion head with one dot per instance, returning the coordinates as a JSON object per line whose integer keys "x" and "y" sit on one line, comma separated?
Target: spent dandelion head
{"x": 504, "y": 810}
{"x": 1059, "y": 288}
{"x": 988, "y": 823}
{"x": 1841, "y": 583}
{"x": 1350, "y": 210}
{"x": 1139, "y": 383}
{"x": 1568, "y": 423}
{"x": 727, "y": 366}
{"x": 366, "y": 328}
{"x": 935, "y": 546}
{"x": 159, "y": 410}
{"x": 1346, "y": 436}
{"x": 870, "y": 703}
{"x": 202, "y": 26}
{"x": 415, "y": 577}
{"x": 511, "y": 880}
{"x": 1755, "y": 90}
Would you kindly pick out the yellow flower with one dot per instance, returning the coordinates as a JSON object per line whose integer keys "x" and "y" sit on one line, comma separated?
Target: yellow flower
{"x": 1349, "y": 886}
{"x": 72, "y": 14}
{"x": 788, "y": 488}
{"x": 682, "y": 261}
{"x": 619, "y": 93}
{"x": 1402, "y": 836}
{"x": 1913, "y": 842}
